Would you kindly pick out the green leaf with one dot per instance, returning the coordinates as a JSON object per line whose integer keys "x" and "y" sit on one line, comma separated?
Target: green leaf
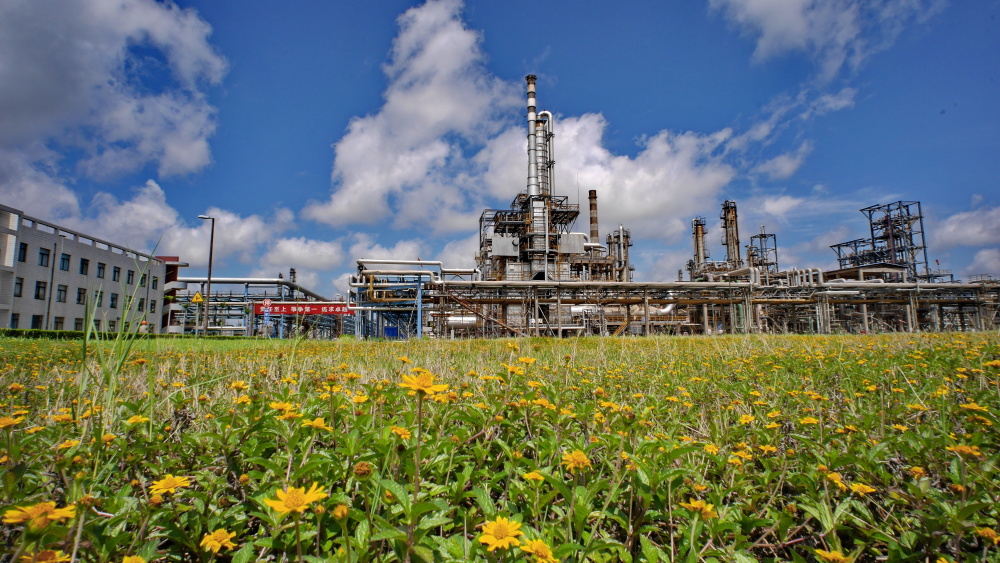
{"x": 244, "y": 555}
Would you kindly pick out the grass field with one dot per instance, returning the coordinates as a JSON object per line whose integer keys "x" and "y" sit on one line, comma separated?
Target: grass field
{"x": 755, "y": 448}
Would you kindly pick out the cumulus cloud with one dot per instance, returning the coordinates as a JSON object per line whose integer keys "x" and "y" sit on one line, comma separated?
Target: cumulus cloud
{"x": 979, "y": 227}
{"x": 986, "y": 261}
{"x": 81, "y": 75}
{"x": 300, "y": 252}
{"x": 439, "y": 101}
{"x": 235, "y": 236}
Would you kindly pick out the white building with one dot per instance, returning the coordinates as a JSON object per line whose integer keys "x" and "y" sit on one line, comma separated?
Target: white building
{"x": 51, "y": 276}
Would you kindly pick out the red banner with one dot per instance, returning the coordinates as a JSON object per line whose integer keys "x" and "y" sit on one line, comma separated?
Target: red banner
{"x": 301, "y": 308}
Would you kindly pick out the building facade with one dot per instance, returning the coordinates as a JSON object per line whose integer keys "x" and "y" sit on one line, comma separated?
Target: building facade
{"x": 50, "y": 277}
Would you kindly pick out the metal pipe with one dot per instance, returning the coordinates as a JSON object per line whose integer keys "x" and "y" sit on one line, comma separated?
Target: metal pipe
{"x": 550, "y": 126}
{"x": 257, "y": 281}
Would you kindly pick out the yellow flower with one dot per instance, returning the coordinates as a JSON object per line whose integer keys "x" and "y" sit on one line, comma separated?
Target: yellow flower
{"x": 282, "y": 406}
{"x": 501, "y": 534}
{"x": 423, "y": 382}
{"x": 988, "y": 534}
{"x": 836, "y": 479}
{"x": 340, "y": 511}
{"x": 575, "y": 460}
{"x": 700, "y": 507}
{"x": 242, "y": 400}
{"x": 711, "y": 448}
{"x": 108, "y": 438}
{"x": 217, "y": 540}
{"x": 6, "y": 421}
{"x": 747, "y": 419}
{"x": 861, "y": 489}
{"x": 358, "y": 399}
{"x": 526, "y": 360}
{"x": 974, "y": 407}
{"x": 46, "y": 556}
{"x": 296, "y": 499}
{"x": 38, "y": 516}
{"x": 68, "y": 444}
{"x": 541, "y": 551}
{"x": 239, "y": 385}
{"x": 832, "y": 556}
{"x": 961, "y": 449}
{"x": 137, "y": 419}
{"x": 133, "y": 559}
{"x": 808, "y": 420}
{"x": 533, "y": 476}
{"x": 400, "y": 431}
{"x": 318, "y": 423}
{"x": 169, "y": 484}
{"x": 404, "y": 359}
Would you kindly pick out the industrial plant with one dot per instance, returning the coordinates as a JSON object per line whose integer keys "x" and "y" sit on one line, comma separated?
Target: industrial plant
{"x": 535, "y": 275}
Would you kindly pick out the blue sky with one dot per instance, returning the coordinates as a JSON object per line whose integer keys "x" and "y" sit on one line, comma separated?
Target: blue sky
{"x": 322, "y": 132}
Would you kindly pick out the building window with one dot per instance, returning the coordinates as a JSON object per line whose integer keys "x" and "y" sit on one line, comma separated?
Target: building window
{"x": 100, "y": 269}
{"x": 97, "y": 325}
{"x": 113, "y": 303}
{"x": 40, "y": 288}
{"x": 18, "y": 286}
{"x": 84, "y": 266}
{"x": 59, "y": 323}
{"x": 81, "y": 296}
{"x": 43, "y": 256}
{"x": 141, "y": 305}
{"x": 22, "y": 252}
{"x": 116, "y": 273}
{"x": 130, "y": 277}
{"x": 112, "y": 325}
{"x": 156, "y": 282}
{"x": 14, "y": 319}
{"x": 64, "y": 262}
{"x": 36, "y": 322}
{"x": 78, "y": 324}
{"x": 61, "y": 293}
{"x": 152, "y": 306}
{"x": 99, "y": 297}
{"x": 142, "y": 280}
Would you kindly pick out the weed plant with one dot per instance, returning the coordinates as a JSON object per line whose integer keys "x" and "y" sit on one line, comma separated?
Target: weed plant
{"x": 737, "y": 448}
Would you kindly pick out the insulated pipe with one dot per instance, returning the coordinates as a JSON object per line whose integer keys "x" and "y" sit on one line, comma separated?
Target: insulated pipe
{"x": 593, "y": 214}
{"x": 532, "y": 156}
{"x": 550, "y": 153}
{"x": 257, "y": 281}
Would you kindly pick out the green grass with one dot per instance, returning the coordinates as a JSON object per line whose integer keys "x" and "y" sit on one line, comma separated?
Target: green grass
{"x": 739, "y": 448}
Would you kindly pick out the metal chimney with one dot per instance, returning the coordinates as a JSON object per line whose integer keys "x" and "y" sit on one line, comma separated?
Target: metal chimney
{"x": 593, "y": 216}
{"x": 532, "y": 149}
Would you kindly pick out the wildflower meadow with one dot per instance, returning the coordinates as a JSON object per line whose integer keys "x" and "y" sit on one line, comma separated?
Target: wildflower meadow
{"x": 731, "y": 448}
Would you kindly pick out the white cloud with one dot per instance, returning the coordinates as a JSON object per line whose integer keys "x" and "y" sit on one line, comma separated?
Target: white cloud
{"x": 655, "y": 193}
{"x": 73, "y": 74}
{"x": 980, "y": 227}
{"x": 235, "y": 236}
{"x": 834, "y": 33}
{"x": 460, "y": 253}
{"x": 300, "y": 252}
{"x": 440, "y": 99}
{"x": 785, "y": 165}
{"x": 364, "y": 246}
{"x": 986, "y": 261}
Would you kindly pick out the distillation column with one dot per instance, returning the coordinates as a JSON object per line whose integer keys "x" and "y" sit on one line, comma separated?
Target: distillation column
{"x": 731, "y": 238}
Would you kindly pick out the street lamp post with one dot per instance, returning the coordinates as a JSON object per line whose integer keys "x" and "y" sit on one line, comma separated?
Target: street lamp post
{"x": 208, "y": 284}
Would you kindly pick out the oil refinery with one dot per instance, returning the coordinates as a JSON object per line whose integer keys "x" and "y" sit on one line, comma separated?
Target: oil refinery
{"x": 536, "y": 276}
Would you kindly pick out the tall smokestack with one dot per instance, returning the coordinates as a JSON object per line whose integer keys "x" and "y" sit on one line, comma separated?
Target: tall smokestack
{"x": 593, "y": 216}
{"x": 532, "y": 149}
